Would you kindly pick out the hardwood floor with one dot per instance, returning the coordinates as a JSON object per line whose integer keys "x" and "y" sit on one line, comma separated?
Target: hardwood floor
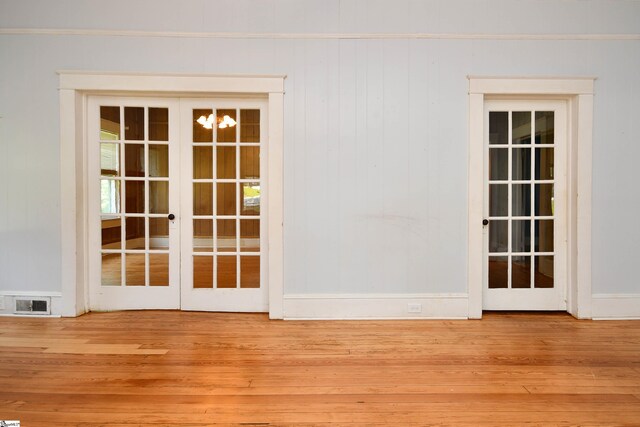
{"x": 202, "y": 369}
{"x": 202, "y": 270}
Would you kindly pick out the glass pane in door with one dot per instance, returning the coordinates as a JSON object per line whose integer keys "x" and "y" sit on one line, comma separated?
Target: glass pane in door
{"x": 158, "y": 160}
{"x": 226, "y": 163}
{"x": 226, "y": 129}
{"x": 202, "y": 198}
{"x": 250, "y": 271}
{"x": 110, "y": 196}
{"x": 158, "y": 270}
{"x": 202, "y": 162}
{"x": 521, "y": 127}
{"x": 226, "y": 240}
{"x": 544, "y": 163}
{"x": 135, "y": 271}
{"x": 111, "y": 269}
{"x": 159, "y": 197}
{"x": 250, "y": 235}
{"x": 498, "y": 236}
{"x": 226, "y": 272}
{"x": 498, "y": 128}
{"x": 109, "y": 123}
{"x": 203, "y": 122}
{"x": 134, "y": 123}
{"x": 249, "y": 162}
{"x": 543, "y": 274}
{"x": 520, "y": 271}
{"x": 250, "y": 125}
{"x": 202, "y": 235}
{"x": 158, "y": 124}
{"x": 135, "y": 232}
{"x": 109, "y": 159}
{"x": 498, "y": 272}
{"x": 545, "y": 127}
{"x": 203, "y": 272}
{"x": 158, "y": 233}
{"x": 498, "y": 164}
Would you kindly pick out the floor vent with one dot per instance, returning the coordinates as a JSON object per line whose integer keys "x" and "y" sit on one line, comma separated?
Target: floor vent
{"x": 32, "y": 305}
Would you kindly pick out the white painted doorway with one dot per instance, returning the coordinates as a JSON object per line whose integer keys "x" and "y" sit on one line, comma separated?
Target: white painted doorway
{"x": 175, "y": 195}
{"x": 525, "y": 205}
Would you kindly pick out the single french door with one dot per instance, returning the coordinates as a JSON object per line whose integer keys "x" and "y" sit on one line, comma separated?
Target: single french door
{"x": 175, "y": 190}
{"x": 525, "y": 205}
{"x": 223, "y": 191}
{"x": 133, "y": 183}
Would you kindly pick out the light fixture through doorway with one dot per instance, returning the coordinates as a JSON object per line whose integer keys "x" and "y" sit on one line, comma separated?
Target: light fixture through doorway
{"x": 224, "y": 122}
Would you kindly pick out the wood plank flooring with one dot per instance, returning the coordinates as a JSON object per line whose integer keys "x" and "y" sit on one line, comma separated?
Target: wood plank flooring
{"x": 202, "y": 270}
{"x": 204, "y": 369}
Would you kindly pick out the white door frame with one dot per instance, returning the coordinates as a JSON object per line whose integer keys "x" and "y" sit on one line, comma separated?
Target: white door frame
{"x": 578, "y": 92}
{"x": 76, "y": 86}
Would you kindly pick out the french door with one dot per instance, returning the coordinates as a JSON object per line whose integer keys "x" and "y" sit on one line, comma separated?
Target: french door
{"x": 133, "y": 162}
{"x": 175, "y": 190}
{"x": 525, "y": 205}
{"x": 223, "y": 190}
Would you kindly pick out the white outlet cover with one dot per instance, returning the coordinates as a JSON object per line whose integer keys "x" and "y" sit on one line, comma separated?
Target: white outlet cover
{"x": 414, "y": 308}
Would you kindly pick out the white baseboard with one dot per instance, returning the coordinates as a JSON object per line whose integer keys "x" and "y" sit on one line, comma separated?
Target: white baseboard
{"x": 616, "y": 306}
{"x": 375, "y": 306}
{"x": 7, "y": 303}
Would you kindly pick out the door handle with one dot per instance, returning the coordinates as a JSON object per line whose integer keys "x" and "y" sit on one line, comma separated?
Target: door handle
{"x": 171, "y": 217}
{"x": 485, "y": 222}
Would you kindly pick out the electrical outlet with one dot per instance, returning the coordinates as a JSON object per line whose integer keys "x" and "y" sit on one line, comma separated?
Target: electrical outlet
{"x": 414, "y": 308}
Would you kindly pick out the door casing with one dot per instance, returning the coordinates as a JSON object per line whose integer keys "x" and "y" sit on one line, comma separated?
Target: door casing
{"x": 74, "y": 89}
{"x": 578, "y": 92}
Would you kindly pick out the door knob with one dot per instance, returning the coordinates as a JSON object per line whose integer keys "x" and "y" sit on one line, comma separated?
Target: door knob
{"x": 485, "y": 222}
{"x": 171, "y": 217}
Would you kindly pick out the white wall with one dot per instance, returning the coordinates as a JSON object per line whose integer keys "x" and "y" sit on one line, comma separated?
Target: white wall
{"x": 327, "y": 16}
{"x": 375, "y": 128}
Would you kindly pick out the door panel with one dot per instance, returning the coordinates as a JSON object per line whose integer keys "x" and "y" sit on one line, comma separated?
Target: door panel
{"x": 525, "y": 193}
{"x": 133, "y": 186}
{"x": 223, "y": 189}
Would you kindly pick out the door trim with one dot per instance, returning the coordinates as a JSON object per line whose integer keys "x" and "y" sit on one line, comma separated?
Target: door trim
{"x": 74, "y": 89}
{"x": 578, "y": 92}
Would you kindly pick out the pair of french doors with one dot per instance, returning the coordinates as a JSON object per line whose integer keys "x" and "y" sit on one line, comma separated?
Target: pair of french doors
{"x": 176, "y": 189}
